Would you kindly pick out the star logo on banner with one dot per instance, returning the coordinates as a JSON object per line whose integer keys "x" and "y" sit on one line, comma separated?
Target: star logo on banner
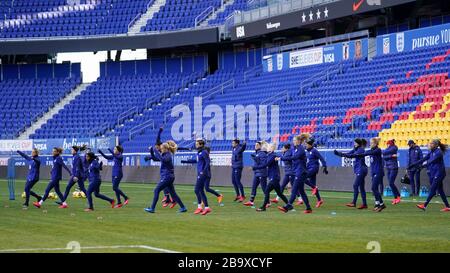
{"x": 311, "y": 16}
{"x": 325, "y": 12}
{"x": 303, "y": 18}
{"x": 318, "y": 13}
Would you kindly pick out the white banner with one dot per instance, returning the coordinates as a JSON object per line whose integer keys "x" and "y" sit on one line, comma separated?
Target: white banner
{"x": 220, "y": 159}
{"x": 306, "y": 57}
{"x": 14, "y": 145}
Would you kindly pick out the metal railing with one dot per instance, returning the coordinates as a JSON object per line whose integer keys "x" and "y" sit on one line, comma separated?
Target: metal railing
{"x": 99, "y": 129}
{"x": 139, "y": 15}
{"x": 311, "y": 80}
{"x": 124, "y": 115}
{"x": 319, "y": 42}
{"x": 284, "y": 95}
{"x": 280, "y": 7}
{"x": 167, "y": 112}
{"x": 203, "y": 15}
{"x": 141, "y": 127}
{"x": 218, "y": 89}
{"x": 252, "y": 71}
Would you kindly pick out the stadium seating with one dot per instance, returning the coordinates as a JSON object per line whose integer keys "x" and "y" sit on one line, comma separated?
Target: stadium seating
{"x": 25, "y": 18}
{"x": 389, "y": 96}
{"x": 177, "y": 14}
{"x": 100, "y": 106}
{"x": 22, "y": 101}
{"x": 237, "y": 5}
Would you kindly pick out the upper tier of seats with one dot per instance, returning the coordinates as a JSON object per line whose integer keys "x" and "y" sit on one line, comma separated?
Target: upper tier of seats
{"x": 57, "y": 18}
{"x": 176, "y": 14}
{"x": 36, "y": 18}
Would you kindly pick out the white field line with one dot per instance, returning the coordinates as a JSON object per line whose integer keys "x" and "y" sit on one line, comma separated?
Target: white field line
{"x": 90, "y": 247}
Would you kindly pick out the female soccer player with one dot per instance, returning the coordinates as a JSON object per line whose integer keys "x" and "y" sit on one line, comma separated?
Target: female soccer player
{"x": 56, "y": 176}
{"x": 414, "y": 155}
{"x": 167, "y": 175}
{"x": 33, "y": 175}
{"x": 77, "y": 175}
{"x": 273, "y": 177}
{"x": 237, "y": 165}
{"x": 208, "y": 179}
{"x": 117, "y": 173}
{"x": 391, "y": 163}
{"x": 376, "y": 170}
{"x": 260, "y": 174}
{"x": 288, "y": 171}
{"x": 360, "y": 170}
{"x": 312, "y": 167}
{"x": 203, "y": 162}
{"x": 298, "y": 159}
{"x": 435, "y": 163}
{"x": 95, "y": 182}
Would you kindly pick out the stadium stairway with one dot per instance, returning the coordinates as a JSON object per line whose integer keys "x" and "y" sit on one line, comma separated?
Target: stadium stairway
{"x": 53, "y": 111}
{"x": 213, "y": 16}
{"x": 148, "y": 15}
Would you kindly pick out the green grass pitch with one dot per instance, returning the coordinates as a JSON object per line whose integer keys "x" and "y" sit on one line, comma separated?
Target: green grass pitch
{"x": 231, "y": 228}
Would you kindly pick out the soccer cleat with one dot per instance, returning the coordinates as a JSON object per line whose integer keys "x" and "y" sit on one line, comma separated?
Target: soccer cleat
{"x": 268, "y": 205}
{"x": 220, "y": 198}
{"x": 350, "y": 205}
{"x": 261, "y": 209}
{"x": 315, "y": 190}
{"x": 237, "y": 198}
{"x": 172, "y": 205}
{"x": 164, "y": 199}
{"x": 380, "y": 208}
{"x": 63, "y": 206}
{"x": 282, "y": 209}
{"x": 181, "y": 210}
{"x": 24, "y": 206}
{"x": 249, "y": 204}
{"x": 149, "y": 210}
{"x": 206, "y": 211}
{"x": 307, "y": 211}
{"x": 165, "y": 204}
{"x": 362, "y": 207}
{"x": 445, "y": 209}
{"x": 396, "y": 201}
{"x": 241, "y": 199}
{"x": 126, "y": 202}
{"x": 319, "y": 204}
{"x": 37, "y": 205}
{"x": 299, "y": 202}
{"x": 59, "y": 203}
{"x": 198, "y": 210}
{"x": 275, "y": 201}
{"x": 113, "y": 203}
{"x": 421, "y": 206}
{"x": 88, "y": 210}
{"x": 118, "y": 206}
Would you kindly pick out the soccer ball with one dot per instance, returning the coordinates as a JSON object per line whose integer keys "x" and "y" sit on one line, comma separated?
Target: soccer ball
{"x": 23, "y": 194}
{"x": 52, "y": 195}
{"x": 76, "y": 194}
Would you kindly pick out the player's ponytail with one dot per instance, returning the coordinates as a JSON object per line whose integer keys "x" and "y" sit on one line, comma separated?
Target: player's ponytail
{"x": 441, "y": 145}
{"x": 172, "y": 146}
